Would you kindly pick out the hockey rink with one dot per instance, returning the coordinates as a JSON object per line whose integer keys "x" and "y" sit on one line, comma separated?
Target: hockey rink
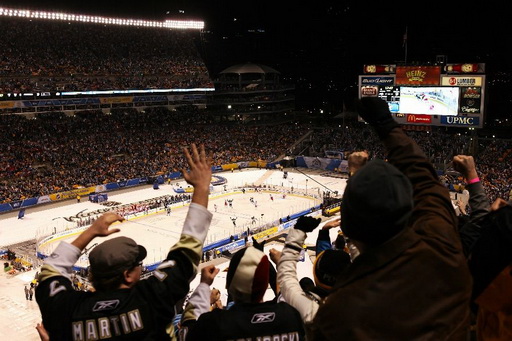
{"x": 158, "y": 231}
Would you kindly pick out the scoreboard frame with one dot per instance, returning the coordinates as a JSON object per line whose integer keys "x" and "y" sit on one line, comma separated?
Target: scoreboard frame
{"x": 385, "y": 81}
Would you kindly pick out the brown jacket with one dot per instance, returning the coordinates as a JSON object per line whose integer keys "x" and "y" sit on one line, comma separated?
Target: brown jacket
{"x": 415, "y": 286}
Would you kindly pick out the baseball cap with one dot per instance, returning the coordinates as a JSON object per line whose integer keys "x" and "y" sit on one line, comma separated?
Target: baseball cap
{"x": 114, "y": 256}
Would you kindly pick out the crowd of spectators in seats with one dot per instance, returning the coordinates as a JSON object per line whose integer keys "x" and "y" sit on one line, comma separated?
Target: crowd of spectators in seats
{"x": 74, "y": 56}
{"x": 494, "y": 159}
{"x": 56, "y": 153}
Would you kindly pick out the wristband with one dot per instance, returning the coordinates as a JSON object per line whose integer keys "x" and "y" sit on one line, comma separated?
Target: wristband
{"x": 472, "y": 181}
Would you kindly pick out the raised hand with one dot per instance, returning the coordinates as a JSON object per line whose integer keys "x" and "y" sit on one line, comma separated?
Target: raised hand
{"x": 101, "y": 226}
{"x": 208, "y": 274}
{"x": 375, "y": 111}
{"x": 307, "y": 224}
{"x": 465, "y": 164}
{"x": 199, "y": 174}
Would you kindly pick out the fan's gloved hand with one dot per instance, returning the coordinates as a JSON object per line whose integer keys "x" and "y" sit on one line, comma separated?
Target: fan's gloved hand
{"x": 375, "y": 112}
{"x": 307, "y": 224}
{"x": 256, "y": 244}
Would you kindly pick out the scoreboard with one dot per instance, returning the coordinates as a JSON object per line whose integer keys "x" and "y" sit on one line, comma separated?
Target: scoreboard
{"x": 450, "y": 95}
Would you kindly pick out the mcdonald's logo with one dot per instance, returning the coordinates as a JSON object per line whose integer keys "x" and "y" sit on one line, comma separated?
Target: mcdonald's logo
{"x": 419, "y": 118}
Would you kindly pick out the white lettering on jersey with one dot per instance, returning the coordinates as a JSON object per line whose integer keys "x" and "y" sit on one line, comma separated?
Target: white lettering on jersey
{"x": 78, "y": 331}
{"x": 56, "y": 287}
{"x": 91, "y": 330}
{"x": 160, "y": 274}
{"x": 107, "y": 327}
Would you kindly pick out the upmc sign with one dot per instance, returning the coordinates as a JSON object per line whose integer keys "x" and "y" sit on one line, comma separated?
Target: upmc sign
{"x": 460, "y": 120}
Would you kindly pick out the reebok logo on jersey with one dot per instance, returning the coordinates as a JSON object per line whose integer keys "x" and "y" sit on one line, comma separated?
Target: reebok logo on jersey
{"x": 105, "y": 305}
{"x": 263, "y": 318}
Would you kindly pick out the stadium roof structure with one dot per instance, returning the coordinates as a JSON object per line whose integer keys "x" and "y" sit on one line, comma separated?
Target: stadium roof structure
{"x": 249, "y": 68}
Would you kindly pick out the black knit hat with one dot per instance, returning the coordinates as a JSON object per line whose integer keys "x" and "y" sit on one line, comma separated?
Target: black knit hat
{"x": 376, "y": 204}
{"x": 248, "y": 275}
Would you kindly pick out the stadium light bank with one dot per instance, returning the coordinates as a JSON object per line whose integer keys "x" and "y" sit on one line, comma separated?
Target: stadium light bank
{"x": 174, "y": 24}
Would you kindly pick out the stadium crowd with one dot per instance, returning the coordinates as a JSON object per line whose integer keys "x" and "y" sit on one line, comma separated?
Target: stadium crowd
{"x": 56, "y": 153}
{"x": 73, "y": 56}
{"x": 493, "y": 155}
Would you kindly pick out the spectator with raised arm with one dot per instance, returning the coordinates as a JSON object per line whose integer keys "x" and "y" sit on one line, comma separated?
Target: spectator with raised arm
{"x": 487, "y": 240}
{"x": 410, "y": 280}
{"x": 356, "y": 160}
{"x": 479, "y": 204}
{"x": 329, "y": 264}
{"x": 249, "y": 318}
{"x": 123, "y": 306}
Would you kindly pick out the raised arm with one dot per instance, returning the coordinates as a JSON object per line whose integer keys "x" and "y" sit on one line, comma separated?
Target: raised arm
{"x": 287, "y": 269}
{"x": 198, "y": 218}
{"x": 433, "y": 211}
{"x": 478, "y": 201}
{"x": 66, "y": 255}
{"x": 199, "y": 301}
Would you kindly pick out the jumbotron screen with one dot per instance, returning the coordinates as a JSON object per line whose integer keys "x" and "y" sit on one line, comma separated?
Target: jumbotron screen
{"x": 422, "y": 95}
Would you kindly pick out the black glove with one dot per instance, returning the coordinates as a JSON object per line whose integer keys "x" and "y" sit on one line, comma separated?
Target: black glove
{"x": 259, "y": 246}
{"x": 375, "y": 111}
{"x": 307, "y": 224}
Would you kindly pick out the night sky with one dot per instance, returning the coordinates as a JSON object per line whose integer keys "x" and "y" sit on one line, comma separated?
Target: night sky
{"x": 322, "y": 46}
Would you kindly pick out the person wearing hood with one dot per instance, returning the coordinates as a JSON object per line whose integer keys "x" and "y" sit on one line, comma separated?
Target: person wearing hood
{"x": 411, "y": 280}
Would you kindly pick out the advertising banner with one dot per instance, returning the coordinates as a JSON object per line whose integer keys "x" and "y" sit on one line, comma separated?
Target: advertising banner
{"x": 5, "y": 207}
{"x": 6, "y": 105}
{"x": 43, "y": 199}
{"x": 108, "y": 100}
{"x": 317, "y": 162}
{"x": 71, "y": 194}
{"x": 471, "y": 100}
{"x": 462, "y": 81}
{"x": 460, "y": 120}
{"x": 418, "y": 75}
{"x": 29, "y": 202}
{"x": 377, "y": 80}
{"x": 265, "y": 233}
{"x": 419, "y": 118}
{"x": 230, "y": 166}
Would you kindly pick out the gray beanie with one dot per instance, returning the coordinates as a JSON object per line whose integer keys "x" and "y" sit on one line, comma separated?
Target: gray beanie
{"x": 376, "y": 204}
